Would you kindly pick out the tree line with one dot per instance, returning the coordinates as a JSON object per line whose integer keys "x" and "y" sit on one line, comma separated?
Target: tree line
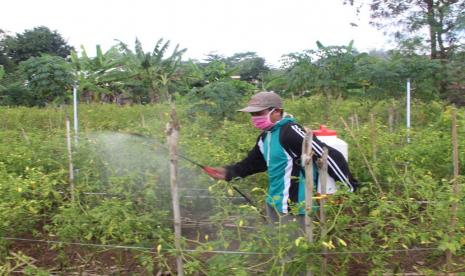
{"x": 38, "y": 67}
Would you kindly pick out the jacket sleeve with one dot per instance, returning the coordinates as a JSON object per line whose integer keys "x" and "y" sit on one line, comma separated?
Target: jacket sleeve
{"x": 252, "y": 164}
{"x": 292, "y": 139}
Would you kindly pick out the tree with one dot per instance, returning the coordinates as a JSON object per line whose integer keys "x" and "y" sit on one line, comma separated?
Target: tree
{"x": 220, "y": 98}
{"x": 329, "y": 70}
{"x": 249, "y": 66}
{"x": 439, "y": 23}
{"x": 385, "y": 76}
{"x": 48, "y": 77}
{"x": 5, "y": 61}
{"x": 300, "y": 72}
{"x": 33, "y": 43}
{"x": 153, "y": 70}
{"x": 435, "y": 25}
{"x": 103, "y": 77}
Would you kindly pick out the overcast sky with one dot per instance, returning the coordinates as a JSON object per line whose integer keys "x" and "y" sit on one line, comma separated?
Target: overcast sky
{"x": 269, "y": 27}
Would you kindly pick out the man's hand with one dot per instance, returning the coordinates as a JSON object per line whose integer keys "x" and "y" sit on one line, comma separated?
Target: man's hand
{"x": 217, "y": 172}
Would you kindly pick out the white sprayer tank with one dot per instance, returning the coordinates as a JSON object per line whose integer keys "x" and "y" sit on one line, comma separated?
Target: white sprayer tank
{"x": 329, "y": 137}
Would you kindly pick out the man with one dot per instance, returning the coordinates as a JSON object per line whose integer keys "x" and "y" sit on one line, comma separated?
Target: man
{"x": 278, "y": 150}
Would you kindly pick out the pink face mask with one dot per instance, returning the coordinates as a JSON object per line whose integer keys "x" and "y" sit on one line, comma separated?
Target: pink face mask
{"x": 263, "y": 122}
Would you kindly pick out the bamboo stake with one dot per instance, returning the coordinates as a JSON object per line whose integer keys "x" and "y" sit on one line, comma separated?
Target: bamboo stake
{"x": 323, "y": 173}
{"x": 307, "y": 163}
{"x": 357, "y": 125}
{"x": 50, "y": 124}
{"x": 363, "y": 155}
{"x": 352, "y": 121}
{"x": 455, "y": 186}
{"x": 75, "y": 114}
{"x": 391, "y": 119}
{"x": 373, "y": 136}
{"x": 70, "y": 159}
{"x": 142, "y": 120}
{"x": 5, "y": 120}
{"x": 26, "y": 138}
{"x": 172, "y": 132}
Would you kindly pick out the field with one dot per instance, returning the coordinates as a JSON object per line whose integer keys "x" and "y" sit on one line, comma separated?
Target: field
{"x": 118, "y": 219}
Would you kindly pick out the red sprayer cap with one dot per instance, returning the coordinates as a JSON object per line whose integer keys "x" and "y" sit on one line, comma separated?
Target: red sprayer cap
{"x": 323, "y": 131}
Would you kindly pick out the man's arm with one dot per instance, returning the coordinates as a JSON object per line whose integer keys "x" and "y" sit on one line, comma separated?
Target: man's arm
{"x": 253, "y": 163}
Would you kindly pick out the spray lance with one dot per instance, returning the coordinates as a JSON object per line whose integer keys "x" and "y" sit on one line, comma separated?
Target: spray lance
{"x": 206, "y": 169}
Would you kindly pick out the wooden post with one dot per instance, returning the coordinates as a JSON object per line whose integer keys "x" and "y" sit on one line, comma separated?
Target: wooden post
{"x": 26, "y": 138}
{"x": 357, "y": 125}
{"x": 323, "y": 175}
{"x": 50, "y": 124}
{"x": 172, "y": 132}
{"x": 307, "y": 163}
{"x": 373, "y": 136}
{"x": 70, "y": 159}
{"x": 455, "y": 186}
{"x": 391, "y": 119}
{"x": 142, "y": 120}
{"x": 5, "y": 120}
{"x": 352, "y": 121}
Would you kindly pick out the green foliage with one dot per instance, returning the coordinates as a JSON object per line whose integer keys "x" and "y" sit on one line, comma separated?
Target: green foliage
{"x": 13, "y": 92}
{"x": 34, "y": 43}
{"x": 217, "y": 70}
{"x": 219, "y": 99}
{"x": 103, "y": 77}
{"x": 437, "y": 25}
{"x": 341, "y": 71}
{"x": 122, "y": 189}
{"x": 386, "y": 77}
{"x": 30, "y": 195}
{"x": 155, "y": 72}
{"x": 20, "y": 260}
{"x": 424, "y": 27}
{"x": 250, "y": 66}
{"x": 49, "y": 77}
{"x": 328, "y": 70}
{"x": 275, "y": 80}
{"x": 111, "y": 221}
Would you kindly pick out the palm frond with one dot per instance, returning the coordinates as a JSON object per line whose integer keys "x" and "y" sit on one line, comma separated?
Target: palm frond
{"x": 139, "y": 50}
{"x": 156, "y": 49}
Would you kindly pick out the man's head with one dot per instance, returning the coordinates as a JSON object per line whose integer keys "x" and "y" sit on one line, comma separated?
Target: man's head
{"x": 265, "y": 108}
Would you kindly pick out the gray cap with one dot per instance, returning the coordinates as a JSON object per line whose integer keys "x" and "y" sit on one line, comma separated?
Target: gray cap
{"x": 263, "y": 100}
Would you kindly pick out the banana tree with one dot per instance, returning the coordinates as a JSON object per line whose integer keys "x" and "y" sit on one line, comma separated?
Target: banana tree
{"x": 152, "y": 70}
{"x": 103, "y": 77}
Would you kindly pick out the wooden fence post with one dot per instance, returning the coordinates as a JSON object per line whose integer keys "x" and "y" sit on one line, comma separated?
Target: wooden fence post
{"x": 391, "y": 118}
{"x": 373, "y": 136}
{"x": 455, "y": 186}
{"x": 70, "y": 159}
{"x": 357, "y": 125}
{"x": 172, "y": 132}
{"x": 323, "y": 175}
{"x": 307, "y": 163}
{"x": 352, "y": 121}
{"x": 142, "y": 119}
{"x": 50, "y": 124}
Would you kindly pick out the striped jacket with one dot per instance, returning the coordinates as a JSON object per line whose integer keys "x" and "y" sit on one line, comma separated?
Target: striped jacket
{"x": 278, "y": 151}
